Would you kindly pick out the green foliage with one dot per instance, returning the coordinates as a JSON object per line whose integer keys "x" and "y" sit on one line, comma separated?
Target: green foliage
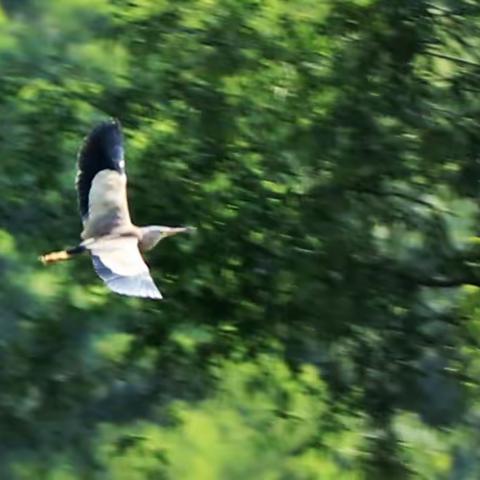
{"x": 259, "y": 407}
{"x": 318, "y": 323}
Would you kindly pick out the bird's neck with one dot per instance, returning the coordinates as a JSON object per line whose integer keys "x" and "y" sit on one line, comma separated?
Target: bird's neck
{"x": 149, "y": 237}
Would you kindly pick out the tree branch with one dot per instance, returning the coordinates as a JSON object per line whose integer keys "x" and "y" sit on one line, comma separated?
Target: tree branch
{"x": 464, "y": 275}
{"x": 444, "y": 56}
{"x": 402, "y": 195}
{"x": 443, "y": 282}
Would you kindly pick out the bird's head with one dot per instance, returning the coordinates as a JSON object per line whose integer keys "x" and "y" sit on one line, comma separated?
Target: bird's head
{"x": 153, "y": 234}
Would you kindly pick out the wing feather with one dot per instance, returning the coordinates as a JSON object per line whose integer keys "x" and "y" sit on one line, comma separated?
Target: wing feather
{"x": 107, "y": 205}
{"x": 119, "y": 264}
{"x": 101, "y": 150}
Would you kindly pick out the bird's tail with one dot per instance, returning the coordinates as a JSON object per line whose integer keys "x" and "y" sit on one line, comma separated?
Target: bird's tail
{"x": 61, "y": 255}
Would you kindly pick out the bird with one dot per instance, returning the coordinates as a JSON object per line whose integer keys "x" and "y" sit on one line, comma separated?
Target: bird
{"x": 114, "y": 243}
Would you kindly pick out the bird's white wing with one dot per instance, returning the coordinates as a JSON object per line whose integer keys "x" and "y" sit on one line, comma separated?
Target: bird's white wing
{"x": 102, "y": 182}
{"x": 107, "y": 204}
{"x": 119, "y": 264}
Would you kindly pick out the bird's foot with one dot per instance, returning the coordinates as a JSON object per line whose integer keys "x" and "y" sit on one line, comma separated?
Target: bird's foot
{"x": 54, "y": 257}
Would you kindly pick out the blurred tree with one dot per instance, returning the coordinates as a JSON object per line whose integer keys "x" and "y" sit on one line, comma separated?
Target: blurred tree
{"x": 327, "y": 153}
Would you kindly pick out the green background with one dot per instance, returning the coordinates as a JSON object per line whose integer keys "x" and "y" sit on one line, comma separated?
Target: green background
{"x": 324, "y": 320}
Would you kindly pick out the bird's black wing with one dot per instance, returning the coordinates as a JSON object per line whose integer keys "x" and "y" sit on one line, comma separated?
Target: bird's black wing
{"x": 101, "y": 150}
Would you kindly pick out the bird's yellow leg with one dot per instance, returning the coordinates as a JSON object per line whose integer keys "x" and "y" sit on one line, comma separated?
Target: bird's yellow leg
{"x": 62, "y": 254}
{"x": 55, "y": 257}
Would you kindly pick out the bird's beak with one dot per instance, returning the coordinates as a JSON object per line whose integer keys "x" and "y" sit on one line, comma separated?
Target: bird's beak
{"x": 174, "y": 231}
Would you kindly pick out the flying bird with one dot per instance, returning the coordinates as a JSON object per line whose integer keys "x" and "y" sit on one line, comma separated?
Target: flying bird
{"x": 115, "y": 244}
